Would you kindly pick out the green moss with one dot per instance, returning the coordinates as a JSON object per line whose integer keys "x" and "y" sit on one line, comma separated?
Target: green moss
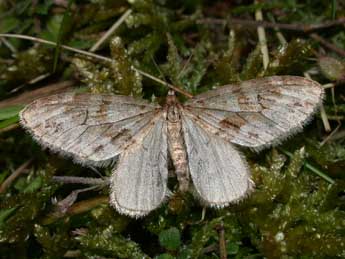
{"x": 290, "y": 59}
{"x": 29, "y": 204}
{"x": 27, "y": 66}
{"x": 170, "y": 239}
{"x": 107, "y": 242}
{"x": 226, "y": 67}
{"x": 253, "y": 66}
{"x": 291, "y": 209}
{"x": 127, "y": 81}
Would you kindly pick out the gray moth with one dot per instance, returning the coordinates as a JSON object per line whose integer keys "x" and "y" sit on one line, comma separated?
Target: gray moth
{"x": 201, "y": 136}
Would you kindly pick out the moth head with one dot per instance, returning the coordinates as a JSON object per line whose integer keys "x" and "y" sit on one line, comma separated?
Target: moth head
{"x": 171, "y": 98}
{"x": 171, "y": 92}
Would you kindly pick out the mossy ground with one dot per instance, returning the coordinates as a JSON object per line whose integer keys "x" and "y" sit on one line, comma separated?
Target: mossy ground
{"x": 293, "y": 212}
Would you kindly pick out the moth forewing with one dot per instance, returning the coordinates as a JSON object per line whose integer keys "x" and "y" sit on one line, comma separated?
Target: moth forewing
{"x": 259, "y": 112}
{"x": 92, "y": 129}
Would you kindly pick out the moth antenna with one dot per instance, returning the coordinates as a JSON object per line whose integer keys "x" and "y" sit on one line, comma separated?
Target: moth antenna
{"x": 186, "y": 64}
{"x": 158, "y": 69}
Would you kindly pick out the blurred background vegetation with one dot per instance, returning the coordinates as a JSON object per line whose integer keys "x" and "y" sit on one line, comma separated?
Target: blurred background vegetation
{"x": 297, "y": 209}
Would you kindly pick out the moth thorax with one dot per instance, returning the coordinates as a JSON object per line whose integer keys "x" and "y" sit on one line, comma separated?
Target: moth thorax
{"x": 173, "y": 113}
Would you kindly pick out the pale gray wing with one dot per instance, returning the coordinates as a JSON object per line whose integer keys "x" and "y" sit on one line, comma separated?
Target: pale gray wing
{"x": 139, "y": 183}
{"x": 259, "y": 112}
{"x": 93, "y": 129}
{"x": 219, "y": 173}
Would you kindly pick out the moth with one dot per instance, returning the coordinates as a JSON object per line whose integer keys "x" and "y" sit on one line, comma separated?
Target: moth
{"x": 201, "y": 136}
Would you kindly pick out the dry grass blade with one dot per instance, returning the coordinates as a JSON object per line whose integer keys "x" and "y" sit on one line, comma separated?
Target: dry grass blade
{"x": 14, "y": 176}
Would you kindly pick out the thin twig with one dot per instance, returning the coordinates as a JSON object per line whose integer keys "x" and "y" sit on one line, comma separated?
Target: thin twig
{"x": 338, "y": 135}
{"x": 39, "y": 78}
{"x": 31, "y": 82}
{"x": 9, "y": 45}
{"x": 329, "y": 85}
{"x": 111, "y": 30}
{"x": 90, "y": 54}
{"x": 283, "y": 26}
{"x": 324, "y": 118}
{"x": 279, "y": 35}
{"x": 62, "y": 206}
{"x": 323, "y": 113}
{"x": 203, "y": 213}
{"x": 14, "y": 176}
{"x": 222, "y": 242}
{"x": 83, "y": 52}
{"x": 339, "y": 121}
{"x": 327, "y": 44}
{"x": 9, "y": 128}
{"x": 28, "y": 97}
{"x": 262, "y": 39}
{"x": 331, "y": 135}
{"x": 77, "y": 208}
